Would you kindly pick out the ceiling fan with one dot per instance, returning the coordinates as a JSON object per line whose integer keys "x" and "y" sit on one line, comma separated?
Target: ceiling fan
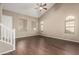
{"x": 41, "y": 6}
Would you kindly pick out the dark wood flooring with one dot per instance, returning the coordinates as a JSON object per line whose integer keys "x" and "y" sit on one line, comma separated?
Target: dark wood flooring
{"x": 40, "y": 45}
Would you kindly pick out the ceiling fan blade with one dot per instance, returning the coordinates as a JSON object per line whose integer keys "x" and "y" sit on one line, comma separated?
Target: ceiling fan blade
{"x": 40, "y": 10}
{"x": 44, "y": 4}
{"x": 45, "y": 8}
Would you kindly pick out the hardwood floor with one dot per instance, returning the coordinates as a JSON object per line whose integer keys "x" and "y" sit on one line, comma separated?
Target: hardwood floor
{"x": 39, "y": 45}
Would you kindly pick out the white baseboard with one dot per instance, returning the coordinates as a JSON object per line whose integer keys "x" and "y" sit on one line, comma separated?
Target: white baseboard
{"x": 26, "y": 36}
{"x": 62, "y": 38}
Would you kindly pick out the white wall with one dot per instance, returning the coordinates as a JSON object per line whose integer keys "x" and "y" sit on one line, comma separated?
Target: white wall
{"x": 0, "y": 15}
{"x": 0, "y": 11}
{"x": 54, "y": 21}
{"x": 16, "y": 24}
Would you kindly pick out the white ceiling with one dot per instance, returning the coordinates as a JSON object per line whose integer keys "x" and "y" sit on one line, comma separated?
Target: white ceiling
{"x": 26, "y": 8}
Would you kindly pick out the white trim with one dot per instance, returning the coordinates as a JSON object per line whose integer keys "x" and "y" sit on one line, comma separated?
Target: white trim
{"x": 68, "y": 40}
{"x": 27, "y": 36}
{"x": 8, "y": 43}
{"x": 62, "y": 38}
{"x": 5, "y": 42}
{"x": 6, "y": 52}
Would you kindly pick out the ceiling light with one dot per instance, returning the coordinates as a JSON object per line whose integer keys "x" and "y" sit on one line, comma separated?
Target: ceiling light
{"x": 40, "y": 8}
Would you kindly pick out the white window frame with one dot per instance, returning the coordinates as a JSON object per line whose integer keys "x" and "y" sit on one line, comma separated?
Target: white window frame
{"x": 70, "y": 25}
{"x": 41, "y": 25}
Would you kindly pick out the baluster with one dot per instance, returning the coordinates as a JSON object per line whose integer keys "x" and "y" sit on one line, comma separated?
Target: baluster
{"x": 11, "y": 38}
{"x": 5, "y": 34}
{"x": 8, "y": 35}
{"x": 14, "y": 39}
{"x": 1, "y": 33}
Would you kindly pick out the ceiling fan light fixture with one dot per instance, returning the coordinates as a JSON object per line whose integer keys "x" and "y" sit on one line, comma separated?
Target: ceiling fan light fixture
{"x": 40, "y": 8}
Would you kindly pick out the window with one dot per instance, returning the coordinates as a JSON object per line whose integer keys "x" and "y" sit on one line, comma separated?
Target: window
{"x": 42, "y": 25}
{"x": 70, "y": 24}
{"x": 34, "y": 25}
